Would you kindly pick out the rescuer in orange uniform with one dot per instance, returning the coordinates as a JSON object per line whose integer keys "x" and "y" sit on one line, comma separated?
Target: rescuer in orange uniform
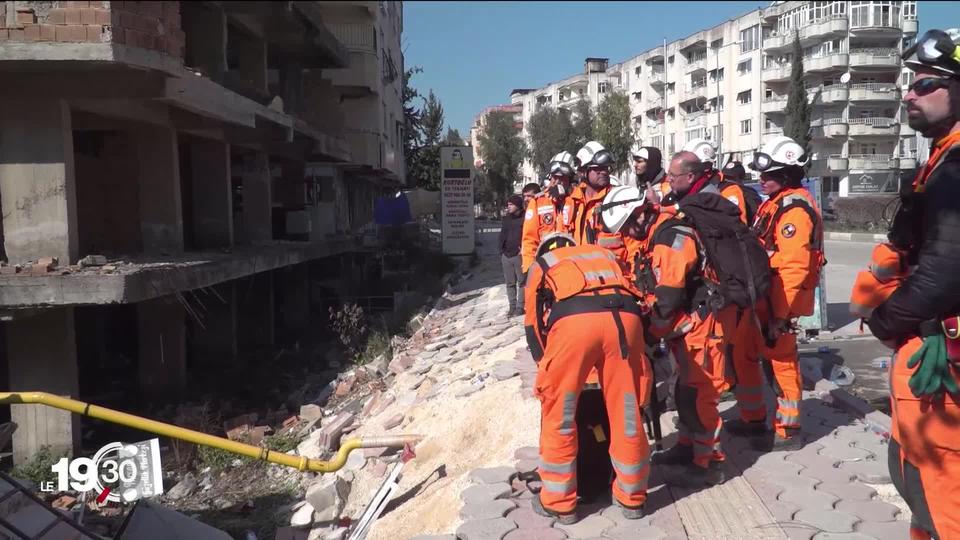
{"x": 669, "y": 274}
{"x": 583, "y": 314}
{"x": 732, "y": 189}
{"x": 545, "y": 211}
{"x": 920, "y": 318}
{"x": 790, "y": 227}
{"x": 593, "y": 162}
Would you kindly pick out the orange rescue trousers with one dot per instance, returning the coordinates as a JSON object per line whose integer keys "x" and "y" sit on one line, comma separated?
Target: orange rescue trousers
{"x": 783, "y": 363}
{"x": 701, "y": 362}
{"x": 925, "y": 452}
{"x": 576, "y": 344}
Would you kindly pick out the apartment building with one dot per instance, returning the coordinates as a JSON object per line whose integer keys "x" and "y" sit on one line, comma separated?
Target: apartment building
{"x": 218, "y": 155}
{"x": 730, "y": 83}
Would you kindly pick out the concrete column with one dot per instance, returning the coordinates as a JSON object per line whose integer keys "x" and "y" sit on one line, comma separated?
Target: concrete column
{"x": 161, "y": 213}
{"x": 293, "y": 289}
{"x": 162, "y": 362}
{"x": 255, "y": 310}
{"x": 257, "y": 199}
{"x": 216, "y": 341}
{"x": 37, "y": 181}
{"x": 212, "y": 198}
{"x": 42, "y": 356}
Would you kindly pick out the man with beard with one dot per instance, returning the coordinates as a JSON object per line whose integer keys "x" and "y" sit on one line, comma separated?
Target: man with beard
{"x": 593, "y": 162}
{"x": 920, "y": 319}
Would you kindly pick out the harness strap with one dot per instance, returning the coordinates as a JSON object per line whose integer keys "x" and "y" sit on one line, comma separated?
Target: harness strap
{"x": 593, "y": 303}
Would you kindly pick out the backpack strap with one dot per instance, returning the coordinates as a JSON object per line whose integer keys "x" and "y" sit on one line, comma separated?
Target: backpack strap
{"x": 788, "y": 203}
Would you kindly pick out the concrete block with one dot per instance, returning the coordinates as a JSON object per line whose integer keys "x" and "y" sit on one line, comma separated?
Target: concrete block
{"x": 485, "y": 492}
{"x": 526, "y": 518}
{"x": 485, "y": 529}
{"x": 848, "y": 491}
{"x": 331, "y": 432}
{"x": 302, "y": 516}
{"x": 328, "y": 496}
{"x": 871, "y": 471}
{"x": 890, "y": 530}
{"x": 527, "y": 452}
{"x": 486, "y": 510}
{"x": 808, "y": 499}
{"x": 535, "y": 534}
{"x": 393, "y": 422}
{"x": 828, "y": 520}
{"x": 876, "y": 511}
{"x": 589, "y": 527}
{"x": 631, "y": 531}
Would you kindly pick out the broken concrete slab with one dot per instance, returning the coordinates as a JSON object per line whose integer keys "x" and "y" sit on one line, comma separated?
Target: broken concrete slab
{"x": 393, "y": 421}
{"x": 302, "y": 515}
{"x": 184, "y": 487}
{"x": 487, "y": 510}
{"x": 485, "y": 492}
{"x": 328, "y": 496}
{"x": 493, "y": 475}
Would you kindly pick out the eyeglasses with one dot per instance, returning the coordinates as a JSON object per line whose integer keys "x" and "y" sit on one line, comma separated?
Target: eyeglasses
{"x": 671, "y": 175}
{"x": 928, "y": 85}
{"x": 598, "y": 168}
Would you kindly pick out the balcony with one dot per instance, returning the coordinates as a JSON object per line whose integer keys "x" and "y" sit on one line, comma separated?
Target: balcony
{"x": 656, "y": 78}
{"x": 908, "y": 162}
{"x": 362, "y": 75}
{"x": 568, "y": 99}
{"x": 906, "y": 130}
{"x": 777, "y": 42}
{"x": 873, "y": 162}
{"x": 698, "y": 118}
{"x": 823, "y": 28}
{"x": 827, "y": 62}
{"x": 873, "y": 127}
{"x": 875, "y": 58}
{"x": 696, "y": 65}
{"x": 833, "y": 94}
{"x": 774, "y": 104}
{"x": 830, "y": 128}
{"x": 772, "y": 131}
{"x": 874, "y": 92}
{"x": 909, "y": 26}
{"x": 838, "y": 162}
{"x": 776, "y": 72}
{"x": 877, "y": 26}
{"x": 655, "y": 129}
{"x": 694, "y": 92}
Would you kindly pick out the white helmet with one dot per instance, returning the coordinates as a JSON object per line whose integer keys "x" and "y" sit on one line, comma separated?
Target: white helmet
{"x": 703, "y": 148}
{"x": 593, "y": 153}
{"x": 614, "y": 181}
{"x": 937, "y": 50}
{"x": 561, "y": 163}
{"x": 778, "y": 153}
{"x": 619, "y": 204}
{"x": 638, "y": 152}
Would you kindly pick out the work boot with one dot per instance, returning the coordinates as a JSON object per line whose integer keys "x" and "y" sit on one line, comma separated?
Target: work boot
{"x": 695, "y": 476}
{"x": 678, "y": 454}
{"x": 777, "y": 443}
{"x": 742, "y": 428}
{"x": 511, "y": 311}
{"x": 563, "y": 519}
{"x": 630, "y": 512}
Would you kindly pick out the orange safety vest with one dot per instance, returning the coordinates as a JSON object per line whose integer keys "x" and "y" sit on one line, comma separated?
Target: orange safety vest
{"x": 586, "y": 225}
{"x": 940, "y": 149}
{"x": 541, "y": 218}
{"x": 573, "y": 280}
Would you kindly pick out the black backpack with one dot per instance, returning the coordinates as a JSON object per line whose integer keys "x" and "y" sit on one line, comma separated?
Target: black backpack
{"x": 731, "y": 249}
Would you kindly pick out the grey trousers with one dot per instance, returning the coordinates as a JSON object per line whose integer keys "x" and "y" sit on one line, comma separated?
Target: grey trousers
{"x": 513, "y": 277}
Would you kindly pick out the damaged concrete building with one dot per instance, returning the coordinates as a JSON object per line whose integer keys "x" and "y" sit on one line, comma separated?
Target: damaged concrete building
{"x": 220, "y": 149}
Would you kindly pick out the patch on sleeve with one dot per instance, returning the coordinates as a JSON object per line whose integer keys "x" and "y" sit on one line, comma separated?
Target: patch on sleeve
{"x": 548, "y": 219}
{"x": 788, "y": 230}
{"x": 529, "y": 214}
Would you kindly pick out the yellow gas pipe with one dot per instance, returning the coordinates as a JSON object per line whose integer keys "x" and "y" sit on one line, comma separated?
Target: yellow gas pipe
{"x": 167, "y": 430}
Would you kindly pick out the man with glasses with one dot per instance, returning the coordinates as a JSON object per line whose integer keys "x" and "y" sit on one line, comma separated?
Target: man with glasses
{"x": 545, "y": 211}
{"x": 920, "y": 319}
{"x": 593, "y": 162}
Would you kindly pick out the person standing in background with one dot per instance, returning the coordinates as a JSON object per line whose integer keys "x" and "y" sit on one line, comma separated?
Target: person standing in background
{"x": 511, "y": 230}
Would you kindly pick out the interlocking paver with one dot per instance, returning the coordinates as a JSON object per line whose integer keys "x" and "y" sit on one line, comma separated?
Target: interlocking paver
{"x": 785, "y": 480}
{"x": 776, "y": 463}
{"x": 485, "y": 529}
{"x": 844, "y": 452}
{"x": 485, "y": 492}
{"x": 848, "y": 491}
{"x": 870, "y": 510}
{"x": 825, "y": 471}
{"x": 782, "y": 511}
{"x": 535, "y": 534}
{"x": 527, "y": 452}
{"x": 809, "y": 499}
{"x": 615, "y": 514}
{"x": 527, "y": 466}
{"x": 798, "y": 531}
{"x": 828, "y": 520}
{"x": 587, "y": 527}
{"x": 810, "y": 457}
{"x": 873, "y": 471}
{"x": 890, "y": 530}
{"x": 526, "y": 518}
{"x": 493, "y": 475}
{"x": 630, "y": 532}
{"x": 487, "y": 509}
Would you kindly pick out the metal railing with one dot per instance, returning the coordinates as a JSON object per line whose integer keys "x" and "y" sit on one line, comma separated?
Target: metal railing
{"x": 876, "y": 87}
{"x": 876, "y": 51}
{"x": 873, "y": 121}
{"x": 875, "y": 158}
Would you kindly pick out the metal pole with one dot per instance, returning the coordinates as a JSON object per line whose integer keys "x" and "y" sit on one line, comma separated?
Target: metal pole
{"x": 716, "y": 77}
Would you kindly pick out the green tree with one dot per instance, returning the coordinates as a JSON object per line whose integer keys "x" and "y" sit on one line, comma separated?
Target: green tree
{"x": 797, "y": 124}
{"x": 412, "y": 127}
{"x": 614, "y": 129}
{"x": 503, "y": 151}
{"x": 583, "y": 119}
{"x": 452, "y": 138}
{"x": 551, "y": 132}
{"x": 426, "y": 168}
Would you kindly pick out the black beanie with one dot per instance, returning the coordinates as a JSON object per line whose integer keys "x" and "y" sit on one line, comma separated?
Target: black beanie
{"x": 517, "y": 200}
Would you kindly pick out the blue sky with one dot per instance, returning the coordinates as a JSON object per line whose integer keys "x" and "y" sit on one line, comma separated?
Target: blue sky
{"x": 474, "y": 53}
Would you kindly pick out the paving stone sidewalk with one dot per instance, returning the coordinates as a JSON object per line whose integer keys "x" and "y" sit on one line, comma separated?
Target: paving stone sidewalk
{"x": 826, "y": 490}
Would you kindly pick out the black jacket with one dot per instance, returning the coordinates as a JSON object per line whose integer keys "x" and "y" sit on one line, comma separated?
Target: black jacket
{"x": 510, "y": 232}
{"x": 933, "y": 289}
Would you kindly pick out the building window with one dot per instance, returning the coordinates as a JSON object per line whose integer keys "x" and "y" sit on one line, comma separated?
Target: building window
{"x": 713, "y": 104}
{"x": 830, "y": 184}
{"x": 909, "y": 11}
{"x": 745, "y": 97}
{"x": 671, "y": 88}
{"x": 745, "y": 67}
{"x": 716, "y": 75}
{"x": 603, "y": 87}
{"x": 745, "y": 127}
{"x": 672, "y": 147}
{"x": 717, "y": 134}
{"x": 636, "y": 71}
{"x": 670, "y": 60}
{"x": 867, "y": 13}
{"x": 750, "y": 38}
{"x": 636, "y": 96}
{"x": 907, "y": 78}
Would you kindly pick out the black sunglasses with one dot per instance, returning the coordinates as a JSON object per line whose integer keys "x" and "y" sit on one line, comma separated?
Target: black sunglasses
{"x": 922, "y": 87}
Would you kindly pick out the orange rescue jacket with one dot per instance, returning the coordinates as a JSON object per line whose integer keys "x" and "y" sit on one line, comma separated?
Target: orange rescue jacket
{"x": 585, "y": 223}
{"x": 543, "y": 217}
